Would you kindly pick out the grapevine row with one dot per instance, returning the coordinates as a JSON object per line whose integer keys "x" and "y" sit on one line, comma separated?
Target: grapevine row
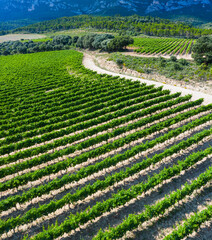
{"x": 119, "y": 199}
{"x": 110, "y": 119}
{"x": 98, "y": 139}
{"x": 159, "y": 208}
{"x": 21, "y": 180}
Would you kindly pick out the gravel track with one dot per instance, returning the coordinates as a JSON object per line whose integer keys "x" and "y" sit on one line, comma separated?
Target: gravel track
{"x": 88, "y": 62}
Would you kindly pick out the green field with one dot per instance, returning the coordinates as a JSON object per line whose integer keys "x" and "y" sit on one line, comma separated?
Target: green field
{"x": 170, "y": 46}
{"x": 39, "y": 40}
{"x": 82, "y": 152}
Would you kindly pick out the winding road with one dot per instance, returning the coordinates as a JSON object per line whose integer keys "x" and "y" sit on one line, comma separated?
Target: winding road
{"x": 88, "y": 62}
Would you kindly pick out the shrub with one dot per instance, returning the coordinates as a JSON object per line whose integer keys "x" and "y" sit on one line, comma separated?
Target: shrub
{"x": 173, "y": 59}
{"x": 177, "y": 67}
{"x": 183, "y": 61}
{"x": 119, "y": 61}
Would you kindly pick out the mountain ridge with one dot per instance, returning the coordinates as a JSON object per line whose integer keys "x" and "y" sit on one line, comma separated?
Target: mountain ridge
{"x": 49, "y": 9}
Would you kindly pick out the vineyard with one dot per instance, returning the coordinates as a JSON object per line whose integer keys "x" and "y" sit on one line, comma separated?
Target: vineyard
{"x": 89, "y": 156}
{"x": 163, "y": 46}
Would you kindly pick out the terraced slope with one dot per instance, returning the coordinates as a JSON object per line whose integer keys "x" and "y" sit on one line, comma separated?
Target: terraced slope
{"x": 81, "y": 152}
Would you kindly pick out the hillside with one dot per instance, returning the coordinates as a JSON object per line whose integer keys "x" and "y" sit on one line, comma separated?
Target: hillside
{"x": 44, "y": 10}
{"x": 132, "y": 25}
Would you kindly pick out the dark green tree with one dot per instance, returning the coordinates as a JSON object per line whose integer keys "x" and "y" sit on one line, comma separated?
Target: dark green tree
{"x": 88, "y": 41}
{"x": 119, "y": 43}
{"x": 62, "y": 39}
{"x": 202, "y": 50}
{"x": 99, "y": 39}
{"x": 75, "y": 38}
{"x": 104, "y": 44}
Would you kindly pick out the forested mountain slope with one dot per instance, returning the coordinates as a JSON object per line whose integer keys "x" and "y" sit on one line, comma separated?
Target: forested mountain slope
{"x": 132, "y": 25}
{"x": 48, "y": 9}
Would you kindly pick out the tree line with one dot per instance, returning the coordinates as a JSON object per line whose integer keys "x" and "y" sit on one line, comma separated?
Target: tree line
{"x": 130, "y": 25}
{"x": 104, "y": 42}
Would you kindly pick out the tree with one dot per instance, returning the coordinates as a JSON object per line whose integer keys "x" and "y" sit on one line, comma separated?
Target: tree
{"x": 119, "y": 43}
{"x": 80, "y": 42}
{"x": 75, "y": 38}
{"x": 22, "y": 49}
{"x": 104, "y": 44}
{"x": 62, "y": 39}
{"x": 99, "y": 39}
{"x": 94, "y": 41}
{"x": 88, "y": 40}
{"x": 202, "y": 50}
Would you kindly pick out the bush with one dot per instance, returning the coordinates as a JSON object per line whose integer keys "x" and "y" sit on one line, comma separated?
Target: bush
{"x": 184, "y": 62}
{"x": 5, "y": 52}
{"x": 88, "y": 41}
{"x": 177, "y": 67}
{"x": 104, "y": 44}
{"x": 80, "y": 42}
{"x": 202, "y": 50}
{"x": 22, "y": 49}
{"x": 203, "y": 66}
{"x": 147, "y": 70}
{"x": 119, "y": 61}
{"x": 180, "y": 77}
{"x": 94, "y": 41}
{"x": 75, "y": 38}
{"x": 162, "y": 62}
{"x": 173, "y": 59}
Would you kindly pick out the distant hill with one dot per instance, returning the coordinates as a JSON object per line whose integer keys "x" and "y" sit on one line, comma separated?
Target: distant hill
{"x": 8, "y": 25}
{"x": 40, "y": 10}
{"x": 131, "y": 25}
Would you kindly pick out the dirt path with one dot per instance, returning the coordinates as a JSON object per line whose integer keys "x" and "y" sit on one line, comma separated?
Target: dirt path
{"x": 15, "y": 37}
{"x": 89, "y": 62}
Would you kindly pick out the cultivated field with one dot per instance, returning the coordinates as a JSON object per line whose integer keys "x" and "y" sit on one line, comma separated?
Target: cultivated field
{"x": 15, "y": 37}
{"x": 163, "y": 46}
{"x": 89, "y": 156}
